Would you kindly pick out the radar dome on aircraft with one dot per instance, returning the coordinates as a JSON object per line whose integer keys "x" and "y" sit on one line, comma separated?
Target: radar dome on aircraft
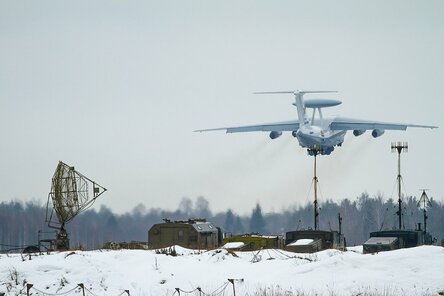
{"x": 321, "y": 103}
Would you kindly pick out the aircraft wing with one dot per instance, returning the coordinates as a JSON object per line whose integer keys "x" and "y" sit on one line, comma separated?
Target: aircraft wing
{"x": 341, "y": 123}
{"x": 292, "y": 125}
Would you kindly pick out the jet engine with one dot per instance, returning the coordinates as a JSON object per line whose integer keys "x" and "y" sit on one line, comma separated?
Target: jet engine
{"x": 358, "y": 132}
{"x": 377, "y": 133}
{"x": 274, "y": 135}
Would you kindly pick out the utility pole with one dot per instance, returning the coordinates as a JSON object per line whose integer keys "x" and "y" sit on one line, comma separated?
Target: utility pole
{"x": 83, "y": 288}
{"x": 232, "y": 282}
{"x": 234, "y": 289}
{"x": 340, "y": 223}
{"x": 399, "y": 147}
{"x": 28, "y": 287}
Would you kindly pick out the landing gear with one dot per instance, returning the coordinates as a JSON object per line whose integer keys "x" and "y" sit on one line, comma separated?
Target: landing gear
{"x": 322, "y": 151}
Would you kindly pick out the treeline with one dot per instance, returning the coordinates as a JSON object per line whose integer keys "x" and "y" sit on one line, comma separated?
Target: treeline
{"x": 20, "y": 222}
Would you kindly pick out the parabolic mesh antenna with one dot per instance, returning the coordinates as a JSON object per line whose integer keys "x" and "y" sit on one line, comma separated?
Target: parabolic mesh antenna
{"x": 71, "y": 193}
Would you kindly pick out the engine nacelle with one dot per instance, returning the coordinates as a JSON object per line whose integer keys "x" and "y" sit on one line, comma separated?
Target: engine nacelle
{"x": 358, "y": 132}
{"x": 274, "y": 135}
{"x": 294, "y": 133}
{"x": 377, "y": 133}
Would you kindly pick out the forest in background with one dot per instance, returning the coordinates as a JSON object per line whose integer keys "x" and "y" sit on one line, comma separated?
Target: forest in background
{"x": 20, "y": 222}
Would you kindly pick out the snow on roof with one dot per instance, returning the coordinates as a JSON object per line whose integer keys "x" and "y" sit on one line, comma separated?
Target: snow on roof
{"x": 264, "y": 236}
{"x": 233, "y": 245}
{"x": 301, "y": 242}
{"x": 204, "y": 227}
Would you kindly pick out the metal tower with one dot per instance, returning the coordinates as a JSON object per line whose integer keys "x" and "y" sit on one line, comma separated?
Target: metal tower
{"x": 315, "y": 152}
{"x": 399, "y": 147}
{"x": 424, "y": 203}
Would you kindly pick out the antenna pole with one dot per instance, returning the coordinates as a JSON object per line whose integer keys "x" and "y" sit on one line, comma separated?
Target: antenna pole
{"x": 315, "y": 203}
{"x": 399, "y": 147}
{"x": 399, "y": 189}
{"x": 424, "y": 203}
{"x": 340, "y": 223}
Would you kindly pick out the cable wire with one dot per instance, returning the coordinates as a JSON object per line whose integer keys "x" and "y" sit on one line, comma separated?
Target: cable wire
{"x": 89, "y": 291}
{"x": 46, "y": 293}
{"x": 187, "y": 292}
{"x": 215, "y": 292}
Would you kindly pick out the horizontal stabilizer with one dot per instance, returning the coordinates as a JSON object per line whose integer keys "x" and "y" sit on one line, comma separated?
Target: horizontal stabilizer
{"x": 295, "y": 92}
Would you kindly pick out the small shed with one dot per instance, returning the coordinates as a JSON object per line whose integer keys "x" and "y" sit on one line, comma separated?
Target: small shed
{"x": 251, "y": 242}
{"x": 191, "y": 234}
{"x": 310, "y": 241}
{"x": 378, "y": 244}
{"x": 404, "y": 239}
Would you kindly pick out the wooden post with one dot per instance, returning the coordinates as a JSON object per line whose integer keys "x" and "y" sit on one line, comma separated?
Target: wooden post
{"x": 28, "y": 287}
{"x": 83, "y": 288}
{"x": 234, "y": 289}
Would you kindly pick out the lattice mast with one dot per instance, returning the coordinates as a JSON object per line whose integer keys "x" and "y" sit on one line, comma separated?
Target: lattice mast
{"x": 399, "y": 147}
{"x": 315, "y": 203}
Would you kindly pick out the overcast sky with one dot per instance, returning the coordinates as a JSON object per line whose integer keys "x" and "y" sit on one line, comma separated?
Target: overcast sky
{"x": 115, "y": 88}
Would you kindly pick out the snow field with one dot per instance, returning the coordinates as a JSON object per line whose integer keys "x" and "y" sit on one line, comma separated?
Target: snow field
{"x": 415, "y": 271}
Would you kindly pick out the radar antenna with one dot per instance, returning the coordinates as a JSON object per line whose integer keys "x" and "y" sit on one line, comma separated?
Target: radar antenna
{"x": 70, "y": 195}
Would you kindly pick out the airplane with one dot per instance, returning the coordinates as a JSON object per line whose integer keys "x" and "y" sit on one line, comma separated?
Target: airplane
{"x": 319, "y": 134}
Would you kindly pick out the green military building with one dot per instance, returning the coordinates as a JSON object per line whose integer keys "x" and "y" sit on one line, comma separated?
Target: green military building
{"x": 386, "y": 240}
{"x": 251, "y": 242}
{"x": 191, "y": 234}
{"x": 311, "y": 241}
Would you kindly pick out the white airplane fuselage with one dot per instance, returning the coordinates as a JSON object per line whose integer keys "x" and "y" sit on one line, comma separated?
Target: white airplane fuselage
{"x": 316, "y": 136}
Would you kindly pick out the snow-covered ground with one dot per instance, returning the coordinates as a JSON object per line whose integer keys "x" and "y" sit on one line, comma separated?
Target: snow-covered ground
{"x": 415, "y": 271}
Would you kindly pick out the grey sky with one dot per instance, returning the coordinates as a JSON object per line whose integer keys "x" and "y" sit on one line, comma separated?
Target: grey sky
{"x": 115, "y": 88}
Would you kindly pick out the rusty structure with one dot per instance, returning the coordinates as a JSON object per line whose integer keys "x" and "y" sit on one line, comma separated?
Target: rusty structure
{"x": 191, "y": 234}
{"x": 311, "y": 241}
{"x": 71, "y": 193}
{"x": 253, "y": 242}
